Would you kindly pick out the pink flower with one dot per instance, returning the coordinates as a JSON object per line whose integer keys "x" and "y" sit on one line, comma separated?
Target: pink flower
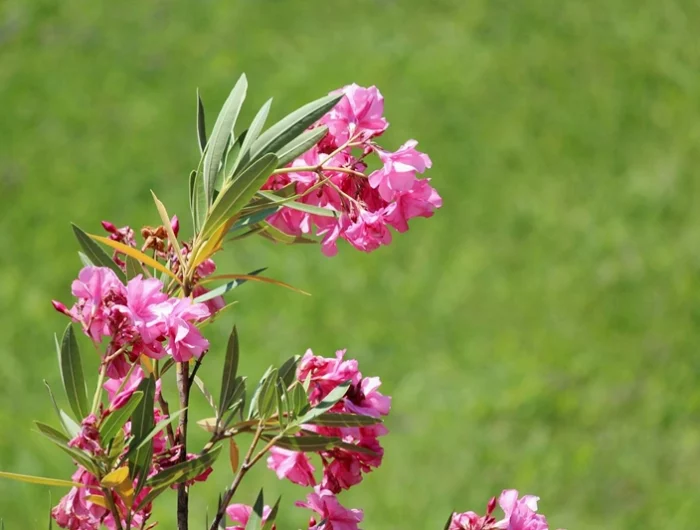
{"x": 184, "y": 339}
{"x": 88, "y": 439}
{"x": 118, "y": 400}
{"x": 399, "y": 171}
{"x": 94, "y": 288}
{"x": 520, "y": 514}
{"x": 358, "y": 113}
{"x": 330, "y": 511}
{"x": 368, "y": 232}
{"x": 468, "y": 521}
{"x": 420, "y": 201}
{"x": 141, "y": 296}
{"x": 240, "y": 513}
{"x": 123, "y": 235}
{"x": 293, "y": 465}
{"x": 326, "y": 374}
{"x": 74, "y": 511}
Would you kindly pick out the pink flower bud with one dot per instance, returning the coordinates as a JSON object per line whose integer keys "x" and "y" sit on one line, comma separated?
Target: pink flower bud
{"x": 175, "y": 225}
{"x": 109, "y": 227}
{"x": 61, "y": 308}
{"x": 491, "y": 506}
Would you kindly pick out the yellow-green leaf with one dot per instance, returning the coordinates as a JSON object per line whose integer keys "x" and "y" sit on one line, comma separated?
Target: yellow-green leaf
{"x": 234, "y": 455}
{"x": 252, "y": 278}
{"x": 41, "y": 480}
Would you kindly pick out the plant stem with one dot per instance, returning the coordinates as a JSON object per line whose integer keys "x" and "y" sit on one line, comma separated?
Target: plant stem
{"x": 98, "y": 390}
{"x": 183, "y": 386}
{"x": 315, "y": 169}
{"x": 112, "y": 508}
{"x": 245, "y": 466}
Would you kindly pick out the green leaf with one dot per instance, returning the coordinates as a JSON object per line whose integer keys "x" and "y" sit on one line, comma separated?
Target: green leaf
{"x": 60, "y": 440}
{"x": 253, "y": 410}
{"x": 95, "y": 253}
{"x": 41, "y": 480}
{"x": 205, "y": 392}
{"x": 301, "y": 144}
{"x": 141, "y": 425}
{"x": 288, "y": 128}
{"x": 230, "y": 369}
{"x": 327, "y": 403}
{"x": 162, "y": 424}
{"x": 184, "y": 471}
{"x": 244, "y": 158}
{"x": 256, "y": 515}
{"x": 220, "y": 135}
{"x": 298, "y": 400}
{"x": 85, "y": 260}
{"x": 201, "y": 125}
{"x": 331, "y": 419}
{"x": 449, "y": 521}
{"x": 254, "y": 218}
{"x": 72, "y": 374}
{"x": 55, "y": 407}
{"x": 356, "y": 449}
{"x": 294, "y": 205}
{"x": 116, "y": 419}
{"x": 232, "y": 153}
{"x": 222, "y": 289}
{"x": 238, "y": 400}
{"x": 133, "y": 268}
{"x": 288, "y": 370}
{"x": 267, "y": 401}
{"x": 270, "y": 521}
{"x": 236, "y": 194}
{"x": 72, "y": 427}
{"x": 306, "y": 444}
{"x": 278, "y": 236}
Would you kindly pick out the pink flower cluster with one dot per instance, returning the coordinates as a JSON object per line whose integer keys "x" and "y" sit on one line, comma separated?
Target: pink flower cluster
{"x": 76, "y": 511}
{"x": 520, "y": 514}
{"x": 139, "y": 318}
{"x": 342, "y": 468}
{"x": 333, "y": 176}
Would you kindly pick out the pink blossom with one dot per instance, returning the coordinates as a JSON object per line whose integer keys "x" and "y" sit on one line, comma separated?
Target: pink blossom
{"x": 88, "y": 439}
{"x": 358, "y": 113}
{"x": 326, "y": 373}
{"x": 330, "y": 511}
{"x": 94, "y": 287}
{"x": 520, "y": 513}
{"x": 123, "y": 235}
{"x": 118, "y": 400}
{"x": 420, "y": 201}
{"x": 399, "y": 171}
{"x": 141, "y": 296}
{"x": 368, "y": 232}
{"x": 293, "y": 465}
{"x": 74, "y": 511}
{"x": 179, "y": 316}
{"x": 240, "y": 513}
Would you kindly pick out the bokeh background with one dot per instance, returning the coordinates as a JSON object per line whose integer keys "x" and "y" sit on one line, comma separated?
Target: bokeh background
{"x": 540, "y": 332}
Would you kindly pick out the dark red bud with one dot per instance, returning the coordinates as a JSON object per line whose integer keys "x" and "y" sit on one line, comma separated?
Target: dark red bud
{"x": 109, "y": 227}
{"x": 175, "y": 225}
{"x": 491, "y": 506}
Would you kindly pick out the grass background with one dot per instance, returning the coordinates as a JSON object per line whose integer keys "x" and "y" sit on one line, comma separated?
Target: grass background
{"x": 540, "y": 332}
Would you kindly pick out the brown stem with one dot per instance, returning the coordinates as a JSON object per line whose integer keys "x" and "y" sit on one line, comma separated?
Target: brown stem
{"x": 183, "y": 386}
{"x": 112, "y": 508}
{"x": 166, "y": 410}
{"x": 245, "y": 466}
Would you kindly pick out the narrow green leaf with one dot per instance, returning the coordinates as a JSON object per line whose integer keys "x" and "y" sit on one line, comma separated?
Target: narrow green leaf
{"x": 230, "y": 369}
{"x": 205, "y": 392}
{"x": 288, "y": 370}
{"x": 254, "y": 218}
{"x": 232, "y": 154}
{"x": 267, "y": 401}
{"x": 184, "y": 471}
{"x": 331, "y": 419}
{"x": 327, "y": 403}
{"x": 299, "y": 400}
{"x": 236, "y": 195}
{"x": 253, "y": 410}
{"x": 72, "y": 374}
{"x": 222, "y": 289}
{"x": 61, "y": 441}
{"x": 200, "y": 206}
{"x": 55, "y": 407}
{"x": 256, "y": 515}
{"x": 306, "y": 444}
{"x": 244, "y": 156}
{"x": 301, "y": 144}
{"x": 95, "y": 253}
{"x": 449, "y": 521}
{"x": 162, "y": 424}
{"x": 85, "y": 260}
{"x": 220, "y": 135}
{"x": 288, "y": 128}
{"x": 51, "y": 433}
{"x": 72, "y": 428}
{"x": 142, "y": 424}
{"x": 41, "y": 480}
{"x": 356, "y": 448}
{"x": 201, "y": 125}
{"x": 133, "y": 268}
{"x": 116, "y": 419}
{"x": 270, "y": 521}
{"x": 300, "y": 206}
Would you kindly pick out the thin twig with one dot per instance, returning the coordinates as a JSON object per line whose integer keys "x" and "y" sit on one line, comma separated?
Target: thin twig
{"x": 182, "y": 490}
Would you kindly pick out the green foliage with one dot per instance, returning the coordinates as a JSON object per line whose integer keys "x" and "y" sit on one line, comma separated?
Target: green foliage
{"x": 559, "y": 280}
{"x": 72, "y": 373}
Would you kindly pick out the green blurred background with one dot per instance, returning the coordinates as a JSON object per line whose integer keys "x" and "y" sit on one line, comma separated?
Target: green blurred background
{"x": 540, "y": 332}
